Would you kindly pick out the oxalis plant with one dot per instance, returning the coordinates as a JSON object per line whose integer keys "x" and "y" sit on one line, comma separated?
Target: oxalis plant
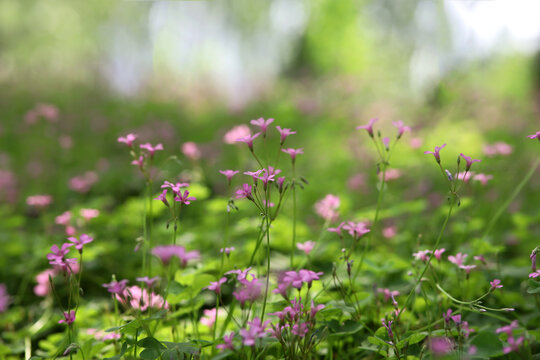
{"x": 251, "y": 304}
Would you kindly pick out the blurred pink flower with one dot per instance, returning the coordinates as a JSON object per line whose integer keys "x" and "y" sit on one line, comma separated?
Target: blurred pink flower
{"x": 401, "y": 128}
{"x": 495, "y": 284}
{"x": 262, "y": 124}
{"x": 43, "y": 286}
{"x": 237, "y": 132}
{"x": 436, "y": 152}
{"x": 128, "y": 139}
{"x": 535, "y": 136}
{"x": 499, "y": 148}
{"x": 227, "y": 339}
{"x": 89, "y": 214}
{"x": 83, "y": 183}
{"x": 284, "y": 133}
{"x": 151, "y": 149}
{"x": 389, "y": 232}
{"x": 248, "y": 140}
{"x": 293, "y": 152}
{"x": 191, "y": 150}
{"x": 63, "y": 219}
{"x": 441, "y": 346}
{"x": 415, "y": 143}
{"x": 215, "y": 286}
{"x": 39, "y": 201}
{"x": 5, "y": 299}
{"x": 66, "y": 142}
{"x": 209, "y": 316}
{"x": 391, "y": 174}
{"x": 306, "y": 247}
{"x": 229, "y": 173}
{"x": 368, "y": 127}
{"x": 327, "y": 207}
{"x": 459, "y": 259}
{"x": 69, "y": 318}
{"x": 141, "y": 299}
{"x": 468, "y": 161}
{"x": 483, "y": 178}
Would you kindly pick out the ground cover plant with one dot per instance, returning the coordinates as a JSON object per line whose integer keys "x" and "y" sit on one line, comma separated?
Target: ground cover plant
{"x": 260, "y": 288}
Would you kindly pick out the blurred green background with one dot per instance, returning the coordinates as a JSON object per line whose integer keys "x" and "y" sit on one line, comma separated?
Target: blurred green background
{"x": 458, "y": 72}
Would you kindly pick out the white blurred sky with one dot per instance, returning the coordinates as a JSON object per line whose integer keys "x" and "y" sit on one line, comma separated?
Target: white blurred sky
{"x": 197, "y": 41}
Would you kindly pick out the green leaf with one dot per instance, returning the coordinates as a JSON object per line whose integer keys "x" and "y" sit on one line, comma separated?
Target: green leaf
{"x": 185, "y": 348}
{"x": 377, "y": 341}
{"x": 149, "y": 354}
{"x": 347, "y": 328}
{"x": 487, "y": 344}
{"x": 122, "y": 352}
{"x": 151, "y": 343}
{"x": 223, "y": 355}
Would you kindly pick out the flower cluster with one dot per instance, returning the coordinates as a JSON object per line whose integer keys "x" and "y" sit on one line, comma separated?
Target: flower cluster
{"x": 166, "y": 252}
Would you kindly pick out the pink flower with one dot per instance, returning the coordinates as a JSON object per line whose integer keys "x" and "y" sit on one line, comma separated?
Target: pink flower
{"x": 390, "y": 174}
{"x": 166, "y": 252}
{"x": 229, "y": 173}
{"x": 499, "y": 148}
{"x": 514, "y": 344}
{"x": 327, "y": 207}
{"x": 149, "y": 281}
{"x": 368, "y": 127}
{"x": 116, "y": 287}
{"x": 79, "y": 243}
{"x": 284, "y": 133}
{"x": 416, "y": 143}
{"x": 401, "y": 128}
{"x": 128, "y": 139}
{"x": 495, "y": 284}
{"x": 249, "y": 291}
{"x": 241, "y": 275}
{"x": 458, "y": 260}
{"x": 69, "y": 318}
{"x": 191, "y": 150}
{"x": 534, "y": 274}
{"x": 244, "y": 192}
{"x": 436, "y": 152}
{"x": 469, "y": 161}
{"x": 467, "y": 268}
{"x": 438, "y": 253}
{"x": 163, "y": 197}
{"x": 63, "y": 219}
{"x": 306, "y": 247}
{"x": 389, "y": 232}
{"x": 300, "y": 329}
{"x": 216, "y": 285}
{"x": 387, "y": 293}
{"x": 422, "y": 255}
{"x": 141, "y": 299}
{"x": 356, "y": 230}
{"x": 227, "y": 250}
{"x": 483, "y": 178}
{"x": 89, "y": 214}
{"x": 337, "y": 229}
{"x": 43, "y": 286}
{"x": 447, "y": 316}
{"x": 139, "y": 162}
{"x": 227, "y": 339}
{"x": 535, "y": 136}
{"x": 386, "y": 142}
{"x": 184, "y": 198}
{"x": 209, "y": 317}
{"x": 59, "y": 253}
{"x": 4, "y": 298}
{"x": 293, "y": 152}
{"x": 151, "y": 149}
{"x": 39, "y": 201}
{"x": 255, "y": 331}
{"x": 441, "y": 346}
{"x": 235, "y": 133}
{"x": 249, "y": 140}
{"x": 465, "y": 175}
{"x": 83, "y": 183}
{"x": 262, "y": 124}
{"x": 508, "y": 328}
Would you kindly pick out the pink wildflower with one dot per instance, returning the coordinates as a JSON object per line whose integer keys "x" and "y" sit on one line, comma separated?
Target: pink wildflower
{"x": 293, "y": 152}
{"x": 149, "y": 281}
{"x": 39, "y": 201}
{"x": 306, "y": 247}
{"x": 139, "y": 162}
{"x": 387, "y": 293}
{"x": 438, "y": 253}
{"x": 422, "y": 255}
{"x": 166, "y": 252}
{"x": 386, "y": 143}
{"x": 483, "y": 178}
{"x": 191, "y": 151}
{"x": 141, "y": 299}
{"x": 465, "y": 176}
{"x": 436, "y": 152}
{"x": 368, "y": 127}
{"x": 514, "y": 344}
{"x": 469, "y": 161}
{"x": 151, "y": 149}
{"x": 262, "y": 124}
{"x": 389, "y": 232}
{"x": 458, "y": 260}
{"x": 227, "y": 339}
{"x": 128, "y": 139}
{"x": 89, "y": 214}
{"x": 229, "y": 173}
{"x": 337, "y": 229}
{"x": 227, "y": 250}
{"x": 235, "y": 133}
{"x": 495, "y": 284}
{"x": 63, "y": 219}
{"x": 163, "y": 198}
{"x": 441, "y": 346}
{"x": 534, "y": 274}
{"x": 215, "y": 286}
{"x": 184, "y": 198}
{"x": 356, "y": 230}
{"x": 284, "y": 133}
{"x": 43, "y": 286}
{"x": 255, "y": 331}
{"x": 507, "y": 329}
{"x": 467, "y": 268}
{"x": 499, "y": 148}
{"x": 209, "y": 316}
{"x": 535, "y": 136}
{"x": 116, "y": 287}
{"x": 249, "y": 291}
{"x": 69, "y": 318}
{"x": 401, "y": 128}
{"x": 79, "y": 243}
{"x": 244, "y": 192}
{"x": 248, "y": 140}
{"x": 390, "y": 174}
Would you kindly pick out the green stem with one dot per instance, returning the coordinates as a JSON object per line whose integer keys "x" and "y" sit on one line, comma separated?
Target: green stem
{"x": 507, "y": 203}
{"x": 452, "y": 203}
{"x": 294, "y": 215}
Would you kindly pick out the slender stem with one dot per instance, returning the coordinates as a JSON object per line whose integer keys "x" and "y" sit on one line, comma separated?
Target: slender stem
{"x": 452, "y": 203}
{"x": 294, "y": 215}
{"x": 267, "y": 217}
{"x": 511, "y": 198}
